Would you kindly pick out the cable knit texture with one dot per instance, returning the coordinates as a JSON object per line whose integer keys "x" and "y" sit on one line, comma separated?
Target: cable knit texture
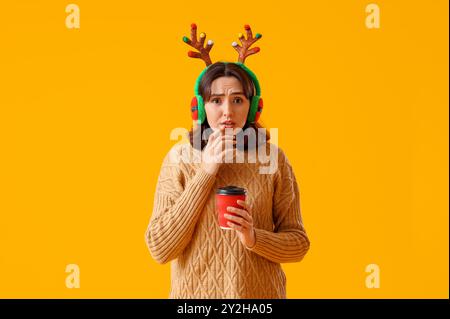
{"x": 209, "y": 262}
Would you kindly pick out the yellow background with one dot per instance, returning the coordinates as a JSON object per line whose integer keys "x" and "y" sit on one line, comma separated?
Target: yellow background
{"x": 86, "y": 115}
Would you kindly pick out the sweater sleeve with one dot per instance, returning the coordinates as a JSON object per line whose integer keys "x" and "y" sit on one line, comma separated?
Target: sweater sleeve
{"x": 288, "y": 242}
{"x": 176, "y": 210}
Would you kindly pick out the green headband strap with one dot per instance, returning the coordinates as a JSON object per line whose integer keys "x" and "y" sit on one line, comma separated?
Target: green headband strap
{"x": 199, "y": 79}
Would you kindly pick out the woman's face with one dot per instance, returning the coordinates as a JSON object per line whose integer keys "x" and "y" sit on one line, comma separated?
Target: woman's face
{"x": 227, "y": 107}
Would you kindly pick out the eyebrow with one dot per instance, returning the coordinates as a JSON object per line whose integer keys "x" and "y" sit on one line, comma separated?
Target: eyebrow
{"x": 234, "y": 93}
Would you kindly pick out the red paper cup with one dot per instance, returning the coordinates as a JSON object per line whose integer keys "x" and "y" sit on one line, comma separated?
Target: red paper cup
{"x": 228, "y": 196}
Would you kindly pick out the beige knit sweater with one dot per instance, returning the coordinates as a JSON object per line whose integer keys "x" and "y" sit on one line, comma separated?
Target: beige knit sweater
{"x": 209, "y": 262}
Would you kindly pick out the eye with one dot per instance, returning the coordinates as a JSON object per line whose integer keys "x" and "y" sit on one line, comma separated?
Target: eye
{"x": 237, "y": 100}
{"x": 215, "y": 101}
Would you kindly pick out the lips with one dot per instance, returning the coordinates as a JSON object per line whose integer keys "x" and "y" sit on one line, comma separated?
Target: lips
{"x": 227, "y": 124}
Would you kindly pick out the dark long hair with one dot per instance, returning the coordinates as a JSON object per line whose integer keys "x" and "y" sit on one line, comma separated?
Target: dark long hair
{"x": 217, "y": 70}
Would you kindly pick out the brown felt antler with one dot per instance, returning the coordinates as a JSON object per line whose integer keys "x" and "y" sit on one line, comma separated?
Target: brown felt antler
{"x": 244, "y": 50}
{"x": 203, "y": 51}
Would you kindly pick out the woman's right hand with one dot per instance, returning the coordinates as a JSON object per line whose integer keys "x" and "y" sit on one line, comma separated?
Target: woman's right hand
{"x": 214, "y": 153}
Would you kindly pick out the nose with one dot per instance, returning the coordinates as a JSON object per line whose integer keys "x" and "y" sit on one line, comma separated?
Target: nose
{"x": 227, "y": 109}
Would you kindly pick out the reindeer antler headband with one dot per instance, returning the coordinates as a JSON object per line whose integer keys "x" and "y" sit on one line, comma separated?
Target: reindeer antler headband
{"x": 197, "y": 104}
{"x": 244, "y": 50}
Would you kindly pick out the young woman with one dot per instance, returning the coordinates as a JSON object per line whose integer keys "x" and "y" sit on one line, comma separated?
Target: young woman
{"x": 244, "y": 261}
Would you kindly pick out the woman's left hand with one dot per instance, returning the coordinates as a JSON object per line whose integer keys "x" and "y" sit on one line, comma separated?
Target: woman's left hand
{"x": 243, "y": 224}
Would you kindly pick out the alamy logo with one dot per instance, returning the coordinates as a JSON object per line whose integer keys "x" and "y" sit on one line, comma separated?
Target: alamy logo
{"x": 373, "y": 17}
{"x": 73, "y": 17}
{"x": 373, "y": 279}
{"x": 266, "y": 156}
{"x": 73, "y": 277}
